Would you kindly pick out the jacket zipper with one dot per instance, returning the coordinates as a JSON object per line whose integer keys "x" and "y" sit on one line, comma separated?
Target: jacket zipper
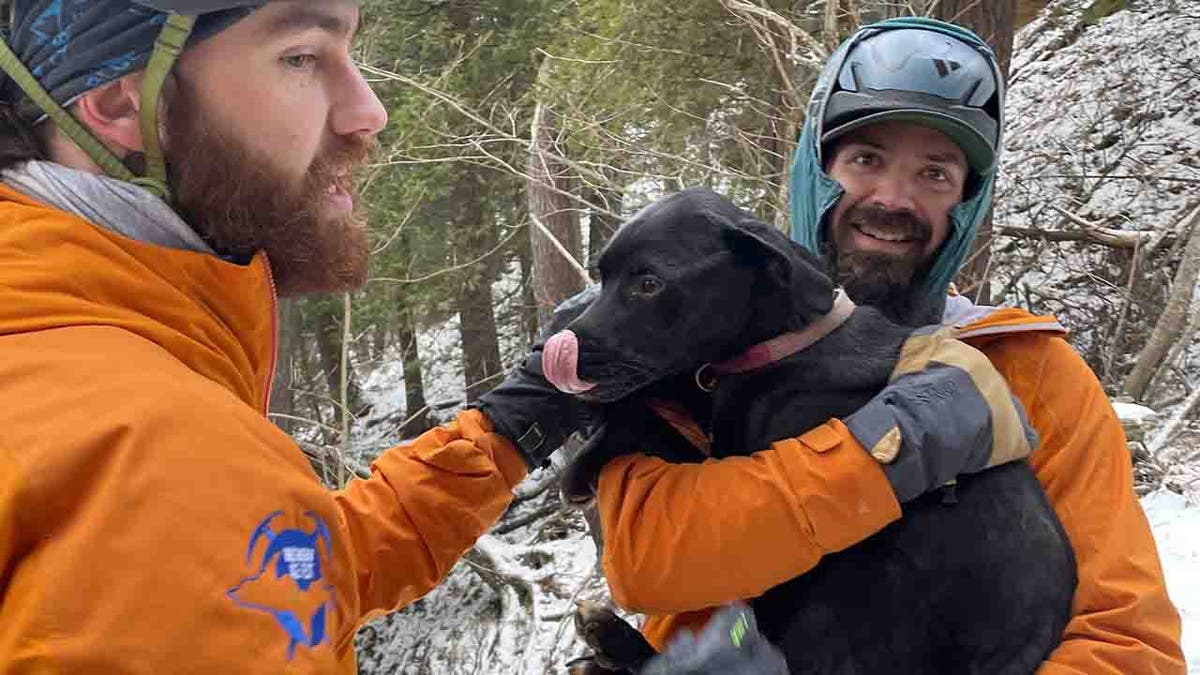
{"x": 266, "y": 408}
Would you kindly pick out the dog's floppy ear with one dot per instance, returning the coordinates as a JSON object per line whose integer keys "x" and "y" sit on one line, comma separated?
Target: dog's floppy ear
{"x": 794, "y": 275}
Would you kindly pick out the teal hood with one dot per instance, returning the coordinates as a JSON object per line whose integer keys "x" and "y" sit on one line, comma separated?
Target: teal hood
{"x": 813, "y": 194}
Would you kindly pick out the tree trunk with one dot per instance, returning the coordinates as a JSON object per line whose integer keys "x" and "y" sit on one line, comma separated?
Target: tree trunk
{"x": 993, "y": 21}
{"x": 1027, "y": 10}
{"x": 329, "y": 347}
{"x": 477, "y": 317}
{"x": 474, "y": 236}
{"x": 546, "y": 179}
{"x": 481, "y": 350}
{"x": 416, "y": 416}
{"x": 283, "y": 397}
{"x": 786, "y": 133}
{"x": 529, "y": 313}
{"x": 1186, "y": 340}
{"x": 601, "y": 226}
{"x": 1174, "y": 318}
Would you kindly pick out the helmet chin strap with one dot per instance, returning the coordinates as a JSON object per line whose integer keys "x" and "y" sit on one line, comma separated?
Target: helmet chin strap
{"x": 167, "y": 47}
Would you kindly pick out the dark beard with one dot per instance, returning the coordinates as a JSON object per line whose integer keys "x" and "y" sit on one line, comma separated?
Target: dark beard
{"x": 241, "y": 204}
{"x": 881, "y": 280}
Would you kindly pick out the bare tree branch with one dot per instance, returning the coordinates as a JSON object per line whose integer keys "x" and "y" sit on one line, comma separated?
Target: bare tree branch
{"x": 1122, "y": 239}
{"x": 1169, "y": 429}
{"x": 575, "y": 264}
{"x": 1173, "y": 319}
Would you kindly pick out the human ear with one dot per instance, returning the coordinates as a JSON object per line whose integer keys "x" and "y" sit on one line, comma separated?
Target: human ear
{"x": 113, "y": 114}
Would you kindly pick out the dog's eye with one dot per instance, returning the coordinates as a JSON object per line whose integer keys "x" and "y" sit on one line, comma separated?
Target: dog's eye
{"x": 648, "y": 285}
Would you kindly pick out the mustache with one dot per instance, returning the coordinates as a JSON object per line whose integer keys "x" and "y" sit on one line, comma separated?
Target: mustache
{"x": 905, "y": 223}
{"x": 340, "y": 163}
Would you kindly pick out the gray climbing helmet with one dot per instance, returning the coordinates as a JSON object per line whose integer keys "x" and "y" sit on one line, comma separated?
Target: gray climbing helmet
{"x": 198, "y": 6}
{"x": 54, "y": 51}
{"x": 914, "y": 70}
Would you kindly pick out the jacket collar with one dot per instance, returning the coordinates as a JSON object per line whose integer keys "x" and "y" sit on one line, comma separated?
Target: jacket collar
{"x": 967, "y": 320}
{"x": 58, "y": 271}
{"x": 118, "y": 206}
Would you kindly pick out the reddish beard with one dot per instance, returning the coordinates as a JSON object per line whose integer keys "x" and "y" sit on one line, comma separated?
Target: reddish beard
{"x": 241, "y": 203}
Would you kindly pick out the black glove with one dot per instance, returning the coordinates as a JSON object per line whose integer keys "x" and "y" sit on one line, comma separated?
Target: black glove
{"x": 530, "y": 411}
{"x": 730, "y": 644}
{"x": 947, "y": 412}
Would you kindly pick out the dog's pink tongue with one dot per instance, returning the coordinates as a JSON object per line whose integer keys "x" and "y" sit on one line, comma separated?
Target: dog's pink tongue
{"x": 560, "y": 360}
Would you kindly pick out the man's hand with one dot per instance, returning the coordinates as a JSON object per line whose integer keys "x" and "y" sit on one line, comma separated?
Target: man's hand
{"x": 530, "y": 411}
{"x": 946, "y": 412}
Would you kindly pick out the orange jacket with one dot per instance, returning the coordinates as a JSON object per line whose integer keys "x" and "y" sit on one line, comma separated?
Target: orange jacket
{"x": 152, "y": 519}
{"x": 681, "y": 538}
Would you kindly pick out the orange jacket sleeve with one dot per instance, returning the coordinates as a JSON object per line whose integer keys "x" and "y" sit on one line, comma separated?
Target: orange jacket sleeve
{"x": 685, "y": 537}
{"x": 1123, "y": 621}
{"x": 424, "y": 506}
{"x": 11, "y": 481}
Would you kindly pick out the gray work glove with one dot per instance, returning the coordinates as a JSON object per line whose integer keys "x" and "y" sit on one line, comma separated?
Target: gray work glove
{"x": 945, "y": 413}
{"x": 729, "y": 645}
{"x": 530, "y": 411}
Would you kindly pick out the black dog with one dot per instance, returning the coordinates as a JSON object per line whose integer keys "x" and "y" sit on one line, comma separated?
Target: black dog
{"x": 981, "y": 586}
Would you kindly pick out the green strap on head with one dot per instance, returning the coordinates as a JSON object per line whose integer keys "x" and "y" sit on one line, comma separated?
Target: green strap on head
{"x": 170, "y": 43}
{"x": 167, "y": 48}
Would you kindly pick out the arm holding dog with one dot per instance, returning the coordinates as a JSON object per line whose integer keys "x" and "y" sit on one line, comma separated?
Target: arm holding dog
{"x": 1122, "y": 620}
{"x": 946, "y": 412}
{"x": 816, "y": 494}
{"x": 807, "y": 496}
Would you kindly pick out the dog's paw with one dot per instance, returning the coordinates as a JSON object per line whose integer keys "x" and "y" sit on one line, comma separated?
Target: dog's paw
{"x": 618, "y": 646}
{"x": 586, "y": 665}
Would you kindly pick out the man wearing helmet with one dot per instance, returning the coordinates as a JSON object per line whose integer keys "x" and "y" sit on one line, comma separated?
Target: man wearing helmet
{"x": 151, "y": 518}
{"x": 892, "y": 176}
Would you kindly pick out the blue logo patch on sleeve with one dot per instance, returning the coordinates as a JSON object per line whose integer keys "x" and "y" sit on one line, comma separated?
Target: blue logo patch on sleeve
{"x": 297, "y": 556}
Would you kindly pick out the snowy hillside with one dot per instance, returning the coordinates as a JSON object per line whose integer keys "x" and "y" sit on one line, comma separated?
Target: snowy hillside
{"x": 1176, "y": 525}
{"x": 1103, "y": 136}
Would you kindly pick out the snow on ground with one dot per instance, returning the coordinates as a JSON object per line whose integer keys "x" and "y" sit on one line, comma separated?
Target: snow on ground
{"x": 1134, "y": 413}
{"x": 474, "y": 623}
{"x": 1176, "y": 525}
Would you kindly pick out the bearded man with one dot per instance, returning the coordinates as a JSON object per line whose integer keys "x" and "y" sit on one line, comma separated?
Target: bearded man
{"x": 170, "y": 167}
